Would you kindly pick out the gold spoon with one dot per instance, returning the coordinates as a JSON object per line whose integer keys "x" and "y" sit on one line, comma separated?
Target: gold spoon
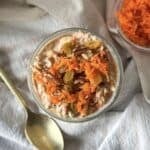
{"x": 40, "y": 130}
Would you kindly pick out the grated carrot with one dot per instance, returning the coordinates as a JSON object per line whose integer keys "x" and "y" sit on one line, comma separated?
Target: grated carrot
{"x": 93, "y": 70}
{"x": 134, "y": 20}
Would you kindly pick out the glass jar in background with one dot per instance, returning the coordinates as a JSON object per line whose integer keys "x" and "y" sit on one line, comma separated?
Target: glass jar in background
{"x": 115, "y": 29}
{"x": 140, "y": 54}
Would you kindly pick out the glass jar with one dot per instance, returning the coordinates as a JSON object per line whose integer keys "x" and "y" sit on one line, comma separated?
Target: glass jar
{"x": 117, "y": 61}
{"x": 140, "y": 54}
{"x": 116, "y": 31}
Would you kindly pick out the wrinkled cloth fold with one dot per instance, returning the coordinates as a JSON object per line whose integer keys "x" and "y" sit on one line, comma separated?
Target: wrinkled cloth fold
{"x": 19, "y": 10}
{"x": 124, "y": 126}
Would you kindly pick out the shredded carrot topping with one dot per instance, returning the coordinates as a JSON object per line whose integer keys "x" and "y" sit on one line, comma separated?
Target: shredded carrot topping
{"x": 93, "y": 70}
{"x": 134, "y": 20}
{"x": 80, "y": 70}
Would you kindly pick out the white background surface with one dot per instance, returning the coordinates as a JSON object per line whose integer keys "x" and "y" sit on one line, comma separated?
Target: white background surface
{"x": 124, "y": 127}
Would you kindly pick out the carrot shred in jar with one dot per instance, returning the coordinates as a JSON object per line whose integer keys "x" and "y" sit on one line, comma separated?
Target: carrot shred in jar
{"x": 134, "y": 20}
{"x": 78, "y": 78}
{"x": 88, "y": 88}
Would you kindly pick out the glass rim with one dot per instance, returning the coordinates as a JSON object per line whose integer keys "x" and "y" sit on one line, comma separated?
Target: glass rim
{"x": 124, "y": 37}
{"x": 104, "y": 108}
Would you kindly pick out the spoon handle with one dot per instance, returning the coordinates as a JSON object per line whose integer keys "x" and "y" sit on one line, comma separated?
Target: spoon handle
{"x": 12, "y": 88}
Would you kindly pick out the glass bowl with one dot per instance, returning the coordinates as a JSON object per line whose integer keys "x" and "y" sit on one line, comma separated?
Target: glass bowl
{"x": 120, "y": 33}
{"x": 112, "y": 51}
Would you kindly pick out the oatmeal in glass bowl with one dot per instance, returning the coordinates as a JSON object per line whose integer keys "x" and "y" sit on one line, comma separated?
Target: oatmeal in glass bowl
{"x": 75, "y": 75}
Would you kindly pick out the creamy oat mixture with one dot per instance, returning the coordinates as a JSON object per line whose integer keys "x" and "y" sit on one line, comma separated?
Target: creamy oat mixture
{"x": 74, "y": 75}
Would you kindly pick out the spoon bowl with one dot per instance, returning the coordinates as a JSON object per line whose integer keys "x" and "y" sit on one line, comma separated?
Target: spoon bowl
{"x": 43, "y": 132}
{"x": 40, "y": 130}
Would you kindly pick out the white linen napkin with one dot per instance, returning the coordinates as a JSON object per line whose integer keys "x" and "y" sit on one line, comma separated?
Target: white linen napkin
{"x": 118, "y": 129}
{"x": 11, "y": 10}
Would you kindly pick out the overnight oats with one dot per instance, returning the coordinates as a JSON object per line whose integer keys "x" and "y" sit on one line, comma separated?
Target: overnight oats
{"x": 74, "y": 75}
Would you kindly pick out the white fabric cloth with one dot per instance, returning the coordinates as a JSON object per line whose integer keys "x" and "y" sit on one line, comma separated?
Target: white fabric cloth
{"x": 124, "y": 127}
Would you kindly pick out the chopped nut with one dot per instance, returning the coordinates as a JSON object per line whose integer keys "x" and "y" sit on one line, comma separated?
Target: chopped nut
{"x": 98, "y": 94}
{"x": 86, "y": 97}
{"x": 105, "y": 91}
{"x": 100, "y": 102}
{"x": 62, "y": 70}
{"x": 49, "y": 53}
{"x": 102, "y": 47}
{"x": 103, "y": 99}
{"x": 112, "y": 88}
{"x": 70, "y": 114}
{"x": 85, "y": 56}
{"x": 47, "y": 62}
